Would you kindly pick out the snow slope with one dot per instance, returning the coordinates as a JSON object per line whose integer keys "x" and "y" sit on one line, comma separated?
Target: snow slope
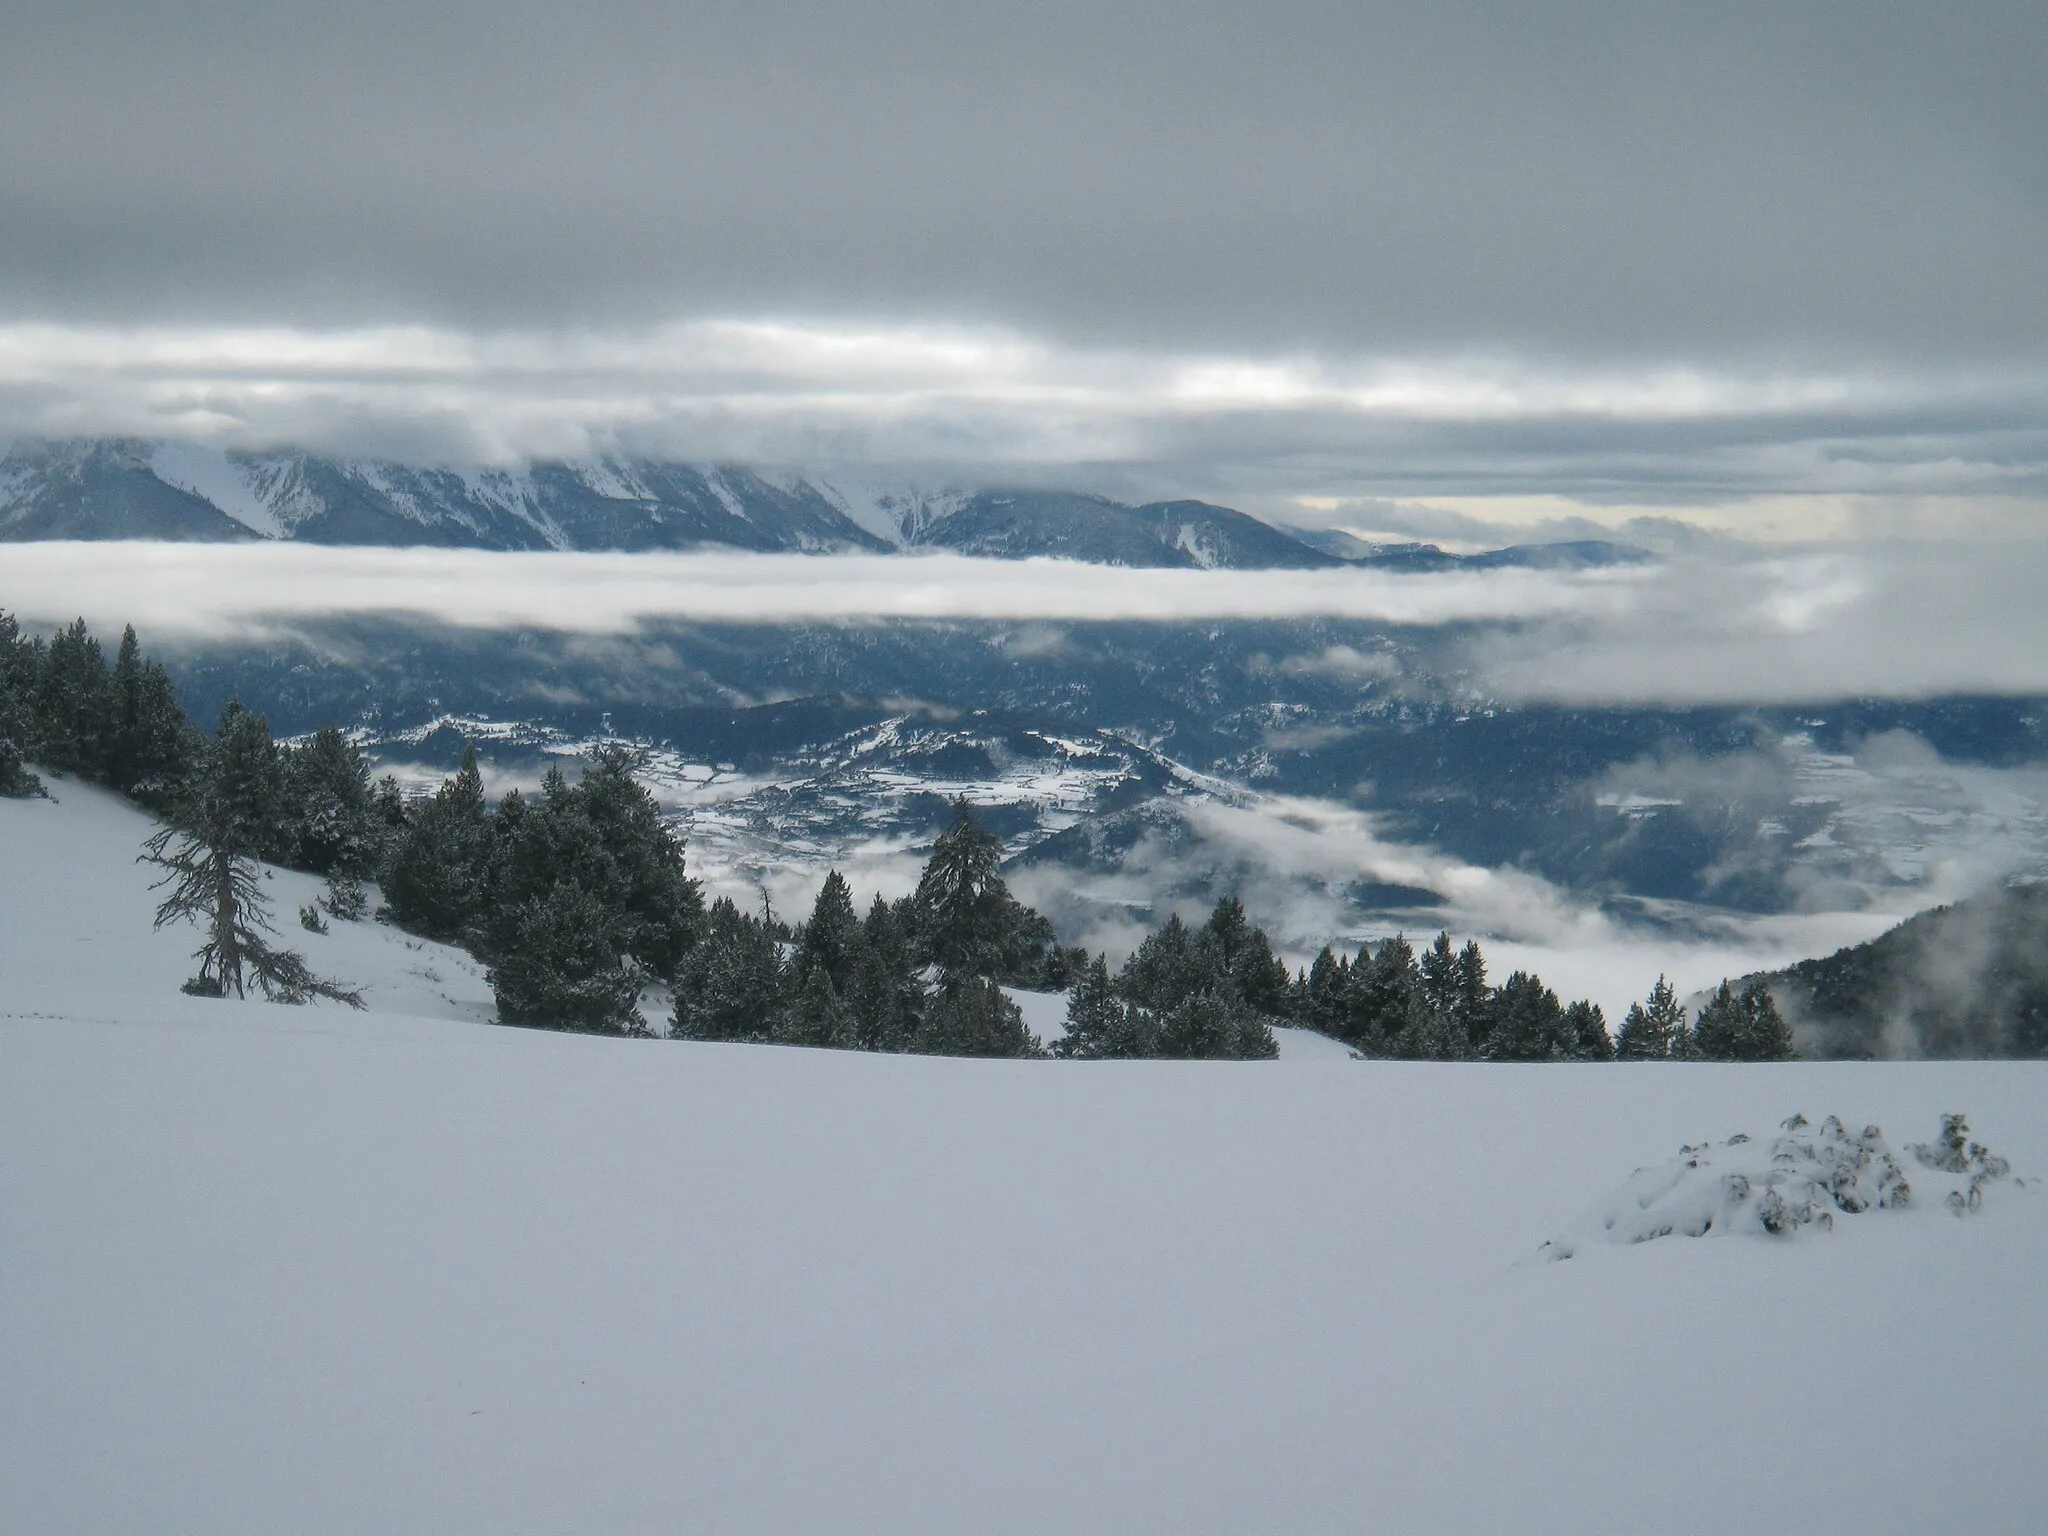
{"x": 268, "y": 1269}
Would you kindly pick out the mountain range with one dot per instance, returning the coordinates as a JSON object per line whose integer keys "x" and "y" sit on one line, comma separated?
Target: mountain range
{"x": 124, "y": 488}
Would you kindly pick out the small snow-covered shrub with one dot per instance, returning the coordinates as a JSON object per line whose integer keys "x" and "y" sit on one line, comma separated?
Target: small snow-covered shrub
{"x": 1804, "y": 1176}
{"x": 345, "y": 899}
{"x": 311, "y": 920}
{"x": 1954, "y": 1152}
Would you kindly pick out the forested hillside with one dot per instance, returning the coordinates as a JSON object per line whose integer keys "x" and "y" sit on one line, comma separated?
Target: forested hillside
{"x": 578, "y": 901}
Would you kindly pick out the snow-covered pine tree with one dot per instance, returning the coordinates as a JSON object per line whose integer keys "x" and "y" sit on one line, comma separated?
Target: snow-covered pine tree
{"x": 335, "y": 827}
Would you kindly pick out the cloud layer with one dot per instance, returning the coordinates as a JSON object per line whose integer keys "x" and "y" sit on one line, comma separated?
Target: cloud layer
{"x": 1265, "y": 428}
{"x": 1900, "y": 621}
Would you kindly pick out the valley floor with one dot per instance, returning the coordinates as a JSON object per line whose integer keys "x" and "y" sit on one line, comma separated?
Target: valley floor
{"x": 268, "y": 1269}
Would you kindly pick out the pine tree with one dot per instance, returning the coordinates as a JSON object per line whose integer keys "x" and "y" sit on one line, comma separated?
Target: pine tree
{"x": 244, "y": 785}
{"x": 1381, "y": 989}
{"x": 885, "y": 994}
{"x": 1585, "y": 1032}
{"x": 1528, "y": 1023}
{"x": 17, "y": 781}
{"x": 20, "y": 663}
{"x": 209, "y": 860}
{"x": 1432, "y": 1032}
{"x": 1097, "y": 1019}
{"x": 1438, "y": 969}
{"x": 1743, "y": 1026}
{"x": 565, "y": 967}
{"x": 730, "y": 986}
{"x": 1323, "y": 995}
{"x": 964, "y": 919}
{"x": 972, "y": 1017}
{"x": 1651, "y": 1027}
{"x": 439, "y": 873}
{"x": 1474, "y": 1010}
{"x": 814, "y": 1014}
{"x": 122, "y": 741}
{"x": 831, "y": 940}
{"x": 1166, "y": 968}
{"x": 1242, "y": 955}
{"x": 74, "y": 705}
{"x": 640, "y": 873}
{"x": 335, "y": 827}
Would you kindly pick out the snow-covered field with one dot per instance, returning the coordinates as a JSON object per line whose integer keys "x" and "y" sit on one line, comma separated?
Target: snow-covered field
{"x": 267, "y": 1269}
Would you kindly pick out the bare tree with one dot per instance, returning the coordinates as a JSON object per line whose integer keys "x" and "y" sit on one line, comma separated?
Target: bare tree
{"x": 221, "y": 892}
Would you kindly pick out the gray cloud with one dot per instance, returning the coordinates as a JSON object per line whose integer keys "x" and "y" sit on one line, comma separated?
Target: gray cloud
{"x": 1588, "y": 180}
{"x": 1298, "y": 436}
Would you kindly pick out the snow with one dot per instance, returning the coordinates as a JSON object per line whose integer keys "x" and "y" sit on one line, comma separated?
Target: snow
{"x": 76, "y": 910}
{"x": 304, "y": 1269}
{"x": 211, "y": 475}
{"x": 1798, "y": 1177}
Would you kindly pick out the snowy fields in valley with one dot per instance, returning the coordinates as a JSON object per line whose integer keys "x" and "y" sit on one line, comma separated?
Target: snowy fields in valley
{"x": 273, "y": 1269}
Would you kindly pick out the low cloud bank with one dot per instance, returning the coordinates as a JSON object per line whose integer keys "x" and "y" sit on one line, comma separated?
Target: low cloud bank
{"x": 228, "y": 589}
{"x": 1895, "y": 621}
{"x": 1899, "y": 621}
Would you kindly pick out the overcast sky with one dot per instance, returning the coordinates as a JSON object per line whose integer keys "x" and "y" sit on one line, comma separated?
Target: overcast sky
{"x": 1632, "y": 256}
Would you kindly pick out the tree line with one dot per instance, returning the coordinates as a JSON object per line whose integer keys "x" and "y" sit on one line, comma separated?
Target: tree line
{"x": 577, "y": 901}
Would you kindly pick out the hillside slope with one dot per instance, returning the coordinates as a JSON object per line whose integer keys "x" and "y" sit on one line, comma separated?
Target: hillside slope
{"x": 310, "y": 1270}
{"x": 1969, "y": 979}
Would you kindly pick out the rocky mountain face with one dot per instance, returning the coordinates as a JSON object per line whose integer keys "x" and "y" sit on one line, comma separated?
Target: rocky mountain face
{"x": 132, "y": 489}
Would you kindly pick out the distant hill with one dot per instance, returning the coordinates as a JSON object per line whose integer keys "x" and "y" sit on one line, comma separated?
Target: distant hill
{"x": 124, "y": 488}
{"x": 1558, "y": 555}
{"x": 1969, "y": 980}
